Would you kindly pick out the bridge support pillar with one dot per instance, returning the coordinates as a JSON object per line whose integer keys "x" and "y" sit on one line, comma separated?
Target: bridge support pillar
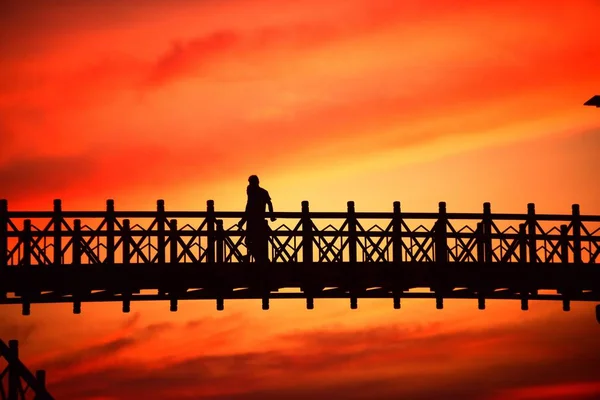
{"x": 77, "y": 307}
{"x": 524, "y": 304}
{"x": 439, "y": 303}
{"x": 310, "y": 303}
{"x": 353, "y": 303}
{"x": 220, "y": 304}
{"x": 265, "y": 303}
{"x": 126, "y": 306}
{"x": 481, "y": 303}
{"x": 598, "y": 313}
{"x": 396, "y": 303}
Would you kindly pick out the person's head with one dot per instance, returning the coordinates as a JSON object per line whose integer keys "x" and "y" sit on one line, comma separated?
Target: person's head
{"x": 253, "y": 180}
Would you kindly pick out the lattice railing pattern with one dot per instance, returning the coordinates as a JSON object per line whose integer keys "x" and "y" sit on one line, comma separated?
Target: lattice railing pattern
{"x": 157, "y": 237}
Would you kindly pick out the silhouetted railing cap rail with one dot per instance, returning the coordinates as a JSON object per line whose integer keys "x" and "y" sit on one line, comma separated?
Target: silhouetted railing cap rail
{"x": 297, "y": 215}
{"x": 211, "y": 212}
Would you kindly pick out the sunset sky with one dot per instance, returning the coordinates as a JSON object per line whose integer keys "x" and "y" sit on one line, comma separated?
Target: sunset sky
{"x": 327, "y": 101}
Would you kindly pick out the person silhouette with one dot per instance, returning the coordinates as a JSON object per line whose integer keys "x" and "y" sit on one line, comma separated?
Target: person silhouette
{"x": 257, "y": 231}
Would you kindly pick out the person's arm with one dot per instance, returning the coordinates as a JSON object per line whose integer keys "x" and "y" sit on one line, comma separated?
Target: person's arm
{"x": 243, "y": 220}
{"x": 270, "y": 206}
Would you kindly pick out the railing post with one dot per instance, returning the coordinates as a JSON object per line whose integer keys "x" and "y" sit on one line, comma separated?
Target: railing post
{"x": 173, "y": 251}
{"x": 126, "y": 235}
{"x": 531, "y": 222}
{"x": 352, "y": 246}
{"x": 3, "y": 233}
{"x": 576, "y": 234}
{"x": 397, "y": 233}
{"x": 352, "y": 238}
{"x": 210, "y": 230}
{"x": 564, "y": 258}
{"x": 307, "y": 252}
{"x": 307, "y": 234}
{"x": 483, "y": 236}
{"x": 487, "y": 232}
{"x": 161, "y": 232}
{"x": 40, "y": 377}
{"x": 110, "y": 232}
{"x": 220, "y": 239}
{"x": 441, "y": 239}
{"x": 13, "y": 372}
{"x": 76, "y": 242}
{"x": 26, "y": 261}
{"x": 57, "y": 220}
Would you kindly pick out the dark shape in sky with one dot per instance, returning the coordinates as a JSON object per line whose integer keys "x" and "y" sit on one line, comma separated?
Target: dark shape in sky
{"x": 594, "y": 101}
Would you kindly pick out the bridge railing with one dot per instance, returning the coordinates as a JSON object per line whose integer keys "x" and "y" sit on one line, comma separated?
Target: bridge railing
{"x": 59, "y": 237}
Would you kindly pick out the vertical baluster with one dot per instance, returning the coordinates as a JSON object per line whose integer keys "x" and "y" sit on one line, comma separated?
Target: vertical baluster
{"x": 126, "y": 237}
{"x": 564, "y": 244}
{"x": 479, "y": 239}
{"x": 523, "y": 243}
{"x": 220, "y": 242}
{"x": 160, "y": 232}
{"x": 27, "y": 238}
{"x": 57, "y": 221}
{"x": 110, "y": 232}
{"x": 77, "y": 242}
{"x": 173, "y": 250}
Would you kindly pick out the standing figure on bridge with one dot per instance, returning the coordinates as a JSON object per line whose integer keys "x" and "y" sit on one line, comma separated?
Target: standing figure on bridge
{"x": 257, "y": 231}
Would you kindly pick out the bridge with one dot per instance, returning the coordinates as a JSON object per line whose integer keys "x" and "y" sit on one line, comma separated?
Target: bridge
{"x": 62, "y": 256}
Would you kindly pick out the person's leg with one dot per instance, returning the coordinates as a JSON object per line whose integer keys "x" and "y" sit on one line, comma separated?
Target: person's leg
{"x": 251, "y": 240}
{"x": 262, "y": 244}
{"x": 248, "y": 242}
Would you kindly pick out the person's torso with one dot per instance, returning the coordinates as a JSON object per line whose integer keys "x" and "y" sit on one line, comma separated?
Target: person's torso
{"x": 257, "y": 202}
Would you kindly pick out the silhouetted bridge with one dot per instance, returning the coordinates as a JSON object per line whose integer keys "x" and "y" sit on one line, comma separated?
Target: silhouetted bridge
{"x": 98, "y": 256}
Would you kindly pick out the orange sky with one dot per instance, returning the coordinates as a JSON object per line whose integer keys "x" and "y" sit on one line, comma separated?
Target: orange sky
{"x": 327, "y": 101}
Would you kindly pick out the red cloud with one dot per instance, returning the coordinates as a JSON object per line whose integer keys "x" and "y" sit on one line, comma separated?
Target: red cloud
{"x": 379, "y": 363}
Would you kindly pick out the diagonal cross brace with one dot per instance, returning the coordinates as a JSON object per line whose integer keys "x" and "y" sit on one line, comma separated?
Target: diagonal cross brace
{"x": 24, "y": 373}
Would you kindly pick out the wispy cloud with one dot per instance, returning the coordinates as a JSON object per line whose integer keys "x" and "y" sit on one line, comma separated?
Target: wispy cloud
{"x": 380, "y": 362}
